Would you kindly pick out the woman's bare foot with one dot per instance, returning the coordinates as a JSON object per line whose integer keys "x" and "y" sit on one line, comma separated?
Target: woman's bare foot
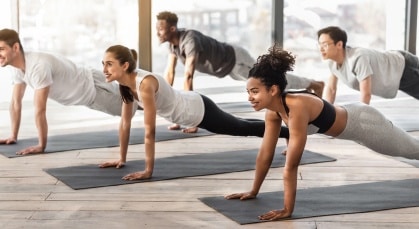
{"x": 174, "y": 127}
{"x": 190, "y": 130}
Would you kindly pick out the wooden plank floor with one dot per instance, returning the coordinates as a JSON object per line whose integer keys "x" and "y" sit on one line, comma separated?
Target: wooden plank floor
{"x": 30, "y": 198}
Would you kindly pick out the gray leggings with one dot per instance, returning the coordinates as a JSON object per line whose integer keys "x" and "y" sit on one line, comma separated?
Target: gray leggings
{"x": 107, "y": 98}
{"x": 244, "y": 62}
{"x": 368, "y": 127}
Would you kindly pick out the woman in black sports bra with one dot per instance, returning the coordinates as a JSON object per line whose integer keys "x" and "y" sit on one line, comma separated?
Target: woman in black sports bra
{"x": 305, "y": 113}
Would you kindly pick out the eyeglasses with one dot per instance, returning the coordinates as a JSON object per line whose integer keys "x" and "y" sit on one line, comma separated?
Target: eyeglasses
{"x": 325, "y": 45}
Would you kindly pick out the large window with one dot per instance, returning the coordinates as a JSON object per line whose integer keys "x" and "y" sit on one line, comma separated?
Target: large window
{"x": 80, "y": 29}
{"x": 83, "y": 29}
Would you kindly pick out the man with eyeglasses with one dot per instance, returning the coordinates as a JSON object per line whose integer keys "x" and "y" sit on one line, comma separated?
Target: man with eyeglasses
{"x": 369, "y": 71}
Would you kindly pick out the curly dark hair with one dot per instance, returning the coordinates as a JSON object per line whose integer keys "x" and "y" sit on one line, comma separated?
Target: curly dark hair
{"x": 271, "y": 68}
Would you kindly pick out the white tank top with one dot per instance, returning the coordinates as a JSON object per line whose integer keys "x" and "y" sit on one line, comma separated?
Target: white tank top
{"x": 180, "y": 107}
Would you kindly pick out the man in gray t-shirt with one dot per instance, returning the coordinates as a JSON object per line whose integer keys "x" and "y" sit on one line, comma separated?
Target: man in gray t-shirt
{"x": 369, "y": 71}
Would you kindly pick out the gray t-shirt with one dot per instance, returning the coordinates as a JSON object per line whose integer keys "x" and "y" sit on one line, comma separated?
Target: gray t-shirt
{"x": 385, "y": 68}
{"x": 214, "y": 57}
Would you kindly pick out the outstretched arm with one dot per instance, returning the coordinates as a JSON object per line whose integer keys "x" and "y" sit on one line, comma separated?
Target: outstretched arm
{"x": 15, "y": 111}
{"x": 264, "y": 157}
{"x": 365, "y": 89}
{"x": 40, "y": 104}
{"x": 331, "y": 87}
{"x": 189, "y": 73}
{"x": 170, "y": 68}
{"x": 148, "y": 88}
{"x": 124, "y": 135}
{"x": 297, "y": 122}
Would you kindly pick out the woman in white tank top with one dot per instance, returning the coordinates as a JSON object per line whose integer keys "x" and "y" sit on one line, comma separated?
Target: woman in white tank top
{"x": 157, "y": 97}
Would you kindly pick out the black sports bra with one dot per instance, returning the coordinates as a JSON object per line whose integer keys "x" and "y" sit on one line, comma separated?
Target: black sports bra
{"x": 326, "y": 117}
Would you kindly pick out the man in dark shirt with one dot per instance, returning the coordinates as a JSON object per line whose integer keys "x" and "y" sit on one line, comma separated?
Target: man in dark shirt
{"x": 207, "y": 55}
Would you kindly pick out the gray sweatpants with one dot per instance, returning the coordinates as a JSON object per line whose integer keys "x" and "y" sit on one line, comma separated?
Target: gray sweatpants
{"x": 370, "y": 128}
{"x": 108, "y": 98}
{"x": 244, "y": 62}
{"x": 297, "y": 82}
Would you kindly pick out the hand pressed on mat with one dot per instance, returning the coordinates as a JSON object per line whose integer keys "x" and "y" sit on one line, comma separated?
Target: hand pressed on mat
{"x": 117, "y": 164}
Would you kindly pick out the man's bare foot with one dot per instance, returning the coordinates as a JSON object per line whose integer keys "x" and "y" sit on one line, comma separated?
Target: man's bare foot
{"x": 174, "y": 127}
{"x": 316, "y": 87}
{"x": 190, "y": 130}
{"x": 31, "y": 150}
{"x": 284, "y": 152}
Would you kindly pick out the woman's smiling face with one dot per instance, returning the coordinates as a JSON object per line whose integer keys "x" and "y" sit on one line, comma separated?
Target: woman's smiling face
{"x": 258, "y": 94}
{"x": 112, "y": 69}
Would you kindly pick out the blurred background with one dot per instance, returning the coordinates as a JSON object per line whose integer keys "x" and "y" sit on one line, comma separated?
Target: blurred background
{"x": 82, "y": 29}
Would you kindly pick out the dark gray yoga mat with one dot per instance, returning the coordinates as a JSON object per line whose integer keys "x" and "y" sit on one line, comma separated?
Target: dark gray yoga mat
{"x": 91, "y": 176}
{"x": 314, "y": 202}
{"x": 231, "y": 107}
{"x": 406, "y": 124}
{"x": 402, "y": 111}
{"x": 236, "y": 107}
{"x": 95, "y": 139}
{"x": 222, "y": 90}
{"x": 411, "y": 162}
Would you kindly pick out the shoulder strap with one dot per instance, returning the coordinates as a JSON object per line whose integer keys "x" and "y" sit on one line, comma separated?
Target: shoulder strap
{"x": 283, "y": 96}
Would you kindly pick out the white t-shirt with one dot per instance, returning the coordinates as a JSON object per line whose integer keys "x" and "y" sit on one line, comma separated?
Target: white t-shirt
{"x": 180, "y": 107}
{"x": 69, "y": 84}
{"x": 385, "y": 68}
